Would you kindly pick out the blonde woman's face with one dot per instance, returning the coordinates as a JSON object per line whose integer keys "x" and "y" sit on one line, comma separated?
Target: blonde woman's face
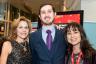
{"x": 73, "y": 36}
{"x": 22, "y": 30}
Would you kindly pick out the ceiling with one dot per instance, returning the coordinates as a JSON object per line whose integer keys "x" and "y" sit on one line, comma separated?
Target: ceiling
{"x": 33, "y": 5}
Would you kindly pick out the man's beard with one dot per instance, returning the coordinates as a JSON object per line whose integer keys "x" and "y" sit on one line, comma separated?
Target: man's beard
{"x": 48, "y": 23}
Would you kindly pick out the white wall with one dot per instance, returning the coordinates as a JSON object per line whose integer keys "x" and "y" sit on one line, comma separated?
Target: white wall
{"x": 90, "y": 29}
{"x": 89, "y": 7}
{"x": 89, "y": 24}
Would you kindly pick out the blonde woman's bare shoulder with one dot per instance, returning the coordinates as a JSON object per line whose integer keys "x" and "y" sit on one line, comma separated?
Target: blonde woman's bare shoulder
{"x": 7, "y": 46}
{"x": 7, "y": 43}
{"x": 6, "y": 50}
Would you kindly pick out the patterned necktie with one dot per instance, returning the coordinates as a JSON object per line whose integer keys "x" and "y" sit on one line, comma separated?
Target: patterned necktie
{"x": 49, "y": 39}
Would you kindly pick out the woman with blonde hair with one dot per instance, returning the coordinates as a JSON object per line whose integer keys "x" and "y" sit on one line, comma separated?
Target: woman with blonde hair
{"x": 16, "y": 50}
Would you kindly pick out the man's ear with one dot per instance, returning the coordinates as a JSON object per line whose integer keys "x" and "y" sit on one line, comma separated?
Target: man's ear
{"x": 39, "y": 16}
{"x": 55, "y": 13}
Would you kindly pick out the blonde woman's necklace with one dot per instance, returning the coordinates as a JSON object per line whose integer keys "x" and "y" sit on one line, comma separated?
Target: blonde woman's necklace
{"x": 24, "y": 46}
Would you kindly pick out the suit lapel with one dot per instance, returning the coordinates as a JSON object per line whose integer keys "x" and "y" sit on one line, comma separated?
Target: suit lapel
{"x": 42, "y": 43}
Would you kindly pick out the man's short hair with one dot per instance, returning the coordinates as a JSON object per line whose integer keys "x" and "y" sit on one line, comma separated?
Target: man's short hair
{"x": 44, "y": 5}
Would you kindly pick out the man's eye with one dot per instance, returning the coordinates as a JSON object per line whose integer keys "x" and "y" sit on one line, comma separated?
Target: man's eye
{"x": 43, "y": 12}
{"x": 49, "y": 11}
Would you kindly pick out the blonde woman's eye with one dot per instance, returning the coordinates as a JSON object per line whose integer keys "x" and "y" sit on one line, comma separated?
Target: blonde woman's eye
{"x": 19, "y": 27}
{"x": 26, "y": 28}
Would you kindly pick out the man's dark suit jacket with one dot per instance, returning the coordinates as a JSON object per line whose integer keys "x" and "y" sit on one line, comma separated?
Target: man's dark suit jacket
{"x": 40, "y": 52}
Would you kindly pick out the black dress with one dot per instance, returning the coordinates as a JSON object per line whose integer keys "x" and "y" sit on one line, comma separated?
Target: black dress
{"x": 20, "y": 54}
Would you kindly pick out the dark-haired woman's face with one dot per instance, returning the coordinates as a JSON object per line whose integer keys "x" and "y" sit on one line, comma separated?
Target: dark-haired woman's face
{"x": 73, "y": 36}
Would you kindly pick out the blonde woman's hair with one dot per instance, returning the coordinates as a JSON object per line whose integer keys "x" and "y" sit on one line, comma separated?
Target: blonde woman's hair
{"x": 14, "y": 25}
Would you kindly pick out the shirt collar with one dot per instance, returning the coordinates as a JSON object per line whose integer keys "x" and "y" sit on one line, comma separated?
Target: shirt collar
{"x": 51, "y": 27}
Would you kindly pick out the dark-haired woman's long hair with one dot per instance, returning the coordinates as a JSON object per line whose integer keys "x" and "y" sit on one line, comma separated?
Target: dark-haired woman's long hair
{"x": 85, "y": 46}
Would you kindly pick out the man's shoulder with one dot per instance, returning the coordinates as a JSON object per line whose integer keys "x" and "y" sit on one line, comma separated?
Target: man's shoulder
{"x": 60, "y": 31}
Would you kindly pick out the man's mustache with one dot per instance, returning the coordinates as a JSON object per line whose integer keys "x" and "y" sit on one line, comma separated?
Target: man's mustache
{"x": 47, "y": 17}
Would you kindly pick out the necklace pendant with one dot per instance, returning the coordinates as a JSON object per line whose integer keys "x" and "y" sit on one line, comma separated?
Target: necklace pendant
{"x": 25, "y": 49}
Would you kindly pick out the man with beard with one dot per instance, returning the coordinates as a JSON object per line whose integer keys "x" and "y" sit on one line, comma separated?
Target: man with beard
{"x": 47, "y": 43}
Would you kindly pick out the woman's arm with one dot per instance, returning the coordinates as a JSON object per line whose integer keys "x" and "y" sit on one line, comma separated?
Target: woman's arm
{"x": 6, "y": 50}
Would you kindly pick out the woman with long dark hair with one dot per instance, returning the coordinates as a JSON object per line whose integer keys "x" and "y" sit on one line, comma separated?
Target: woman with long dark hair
{"x": 79, "y": 49}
